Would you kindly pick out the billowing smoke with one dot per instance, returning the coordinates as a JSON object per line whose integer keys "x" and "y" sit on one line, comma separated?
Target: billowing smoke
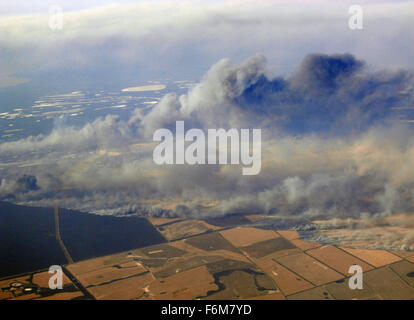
{"x": 333, "y": 146}
{"x": 23, "y": 185}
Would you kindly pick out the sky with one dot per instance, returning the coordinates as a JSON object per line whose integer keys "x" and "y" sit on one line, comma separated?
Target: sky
{"x": 108, "y": 43}
{"x": 324, "y": 96}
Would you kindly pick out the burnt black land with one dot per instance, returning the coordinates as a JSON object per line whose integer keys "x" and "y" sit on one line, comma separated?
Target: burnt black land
{"x": 89, "y": 235}
{"x": 28, "y": 239}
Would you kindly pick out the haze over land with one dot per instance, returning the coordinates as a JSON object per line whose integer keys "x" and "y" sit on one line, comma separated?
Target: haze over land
{"x": 334, "y": 106}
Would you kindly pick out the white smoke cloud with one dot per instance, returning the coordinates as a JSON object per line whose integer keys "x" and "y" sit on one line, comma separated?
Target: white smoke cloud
{"x": 156, "y": 36}
{"x": 322, "y": 173}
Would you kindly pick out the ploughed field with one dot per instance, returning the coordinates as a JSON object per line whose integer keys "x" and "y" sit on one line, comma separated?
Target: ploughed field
{"x": 234, "y": 257}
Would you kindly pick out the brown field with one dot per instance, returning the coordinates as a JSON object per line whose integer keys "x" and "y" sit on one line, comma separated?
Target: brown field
{"x": 240, "y": 285}
{"x": 319, "y": 293}
{"x": 403, "y": 254}
{"x": 405, "y": 270}
{"x": 377, "y": 258}
{"x": 226, "y": 265}
{"x": 230, "y": 254}
{"x": 182, "y": 265}
{"x": 97, "y": 263}
{"x": 5, "y": 295}
{"x": 30, "y": 296}
{"x": 124, "y": 289}
{"x": 305, "y": 245}
{"x": 337, "y": 259}
{"x": 247, "y": 263}
{"x": 340, "y": 290}
{"x": 281, "y": 253}
{"x": 38, "y": 281}
{"x": 388, "y": 285}
{"x": 289, "y": 234}
{"x": 309, "y": 268}
{"x": 63, "y": 296}
{"x": 240, "y": 237}
{"x": 271, "y": 296}
{"x": 161, "y": 221}
{"x": 267, "y": 247}
{"x": 161, "y": 251}
{"x": 182, "y": 229}
{"x": 42, "y": 279}
{"x": 211, "y": 242}
{"x": 8, "y": 282}
{"x": 288, "y": 282}
{"x": 182, "y": 285}
{"x": 109, "y": 274}
{"x": 23, "y": 279}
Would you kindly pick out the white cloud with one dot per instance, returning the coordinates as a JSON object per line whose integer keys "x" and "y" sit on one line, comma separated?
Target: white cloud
{"x": 193, "y": 35}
